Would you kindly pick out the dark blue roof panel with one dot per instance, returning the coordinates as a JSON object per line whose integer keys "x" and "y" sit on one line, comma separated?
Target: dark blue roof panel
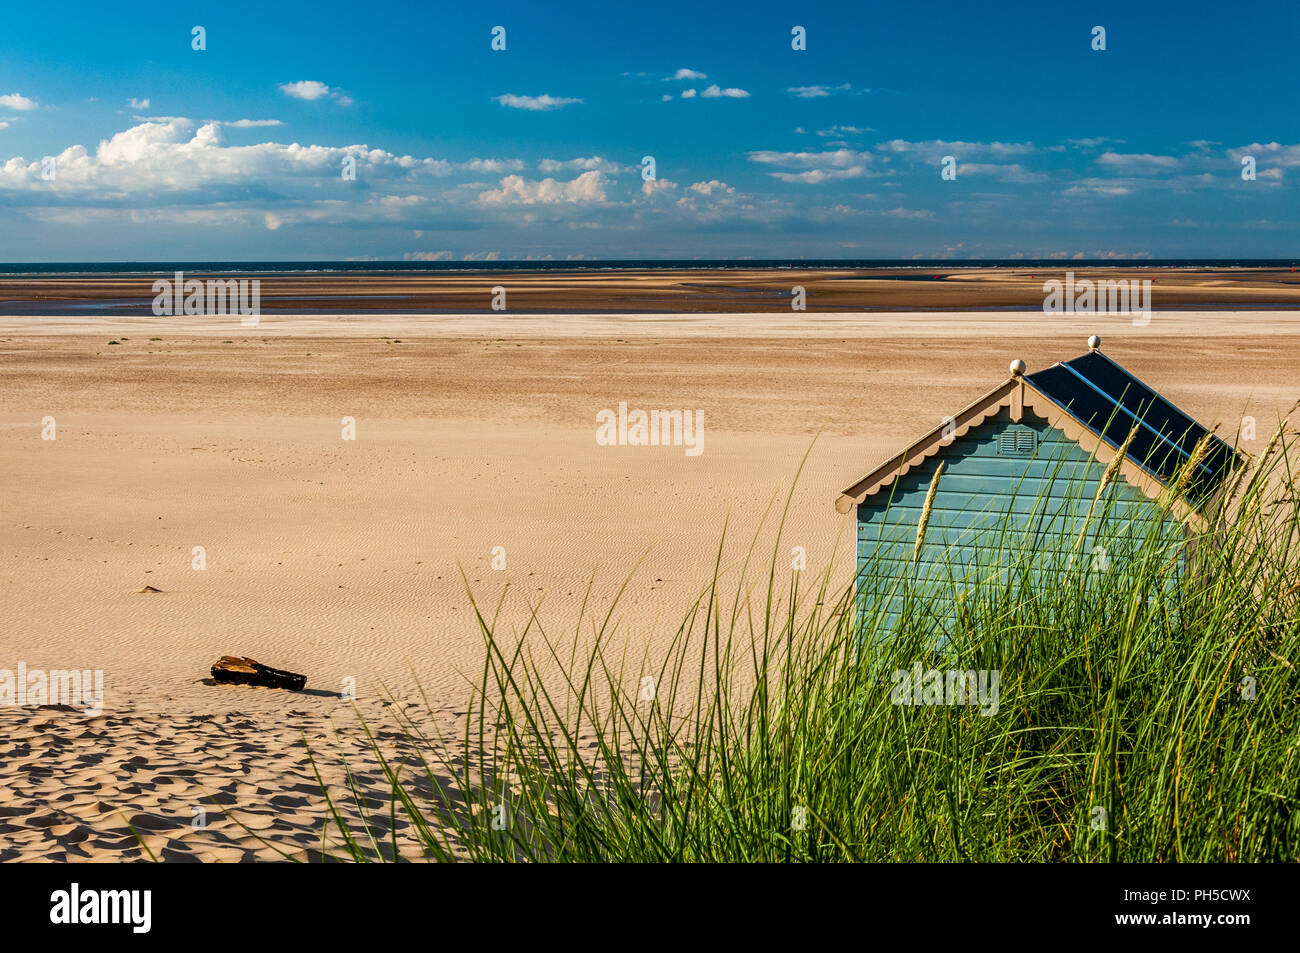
{"x": 1109, "y": 401}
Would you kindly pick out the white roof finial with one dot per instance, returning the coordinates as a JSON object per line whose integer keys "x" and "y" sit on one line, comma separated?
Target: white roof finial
{"x": 1094, "y": 343}
{"x": 1017, "y": 367}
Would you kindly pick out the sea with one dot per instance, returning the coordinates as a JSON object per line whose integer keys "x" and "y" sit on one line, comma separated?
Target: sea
{"x": 74, "y": 268}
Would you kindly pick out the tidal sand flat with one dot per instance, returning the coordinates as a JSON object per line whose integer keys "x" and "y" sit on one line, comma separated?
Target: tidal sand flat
{"x": 551, "y": 288}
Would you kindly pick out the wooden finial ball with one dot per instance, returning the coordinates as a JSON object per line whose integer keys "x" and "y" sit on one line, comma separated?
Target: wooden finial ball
{"x": 1017, "y": 367}
{"x": 1094, "y": 342}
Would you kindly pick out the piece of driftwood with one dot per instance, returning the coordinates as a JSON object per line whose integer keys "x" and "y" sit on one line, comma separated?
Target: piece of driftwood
{"x": 238, "y": 670}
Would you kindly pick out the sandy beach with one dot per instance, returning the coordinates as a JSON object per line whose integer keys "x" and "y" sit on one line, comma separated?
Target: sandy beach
{"x": 343, "y": 559}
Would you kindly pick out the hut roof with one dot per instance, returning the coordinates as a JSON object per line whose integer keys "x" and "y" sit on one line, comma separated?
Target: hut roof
{"x": 1096, "y": 403}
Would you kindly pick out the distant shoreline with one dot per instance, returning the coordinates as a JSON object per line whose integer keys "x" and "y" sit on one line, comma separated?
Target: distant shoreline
{"x": 552, "y": 288}
{"x": 340, "y": 266}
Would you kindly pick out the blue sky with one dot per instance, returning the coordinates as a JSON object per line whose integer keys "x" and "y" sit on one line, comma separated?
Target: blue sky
{"x": 461, "y": 152}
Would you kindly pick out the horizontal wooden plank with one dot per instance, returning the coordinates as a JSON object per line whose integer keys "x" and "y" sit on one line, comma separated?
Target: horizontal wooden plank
{"x": 1052, "y": 444}
{"x": 976, "y": 483}
{"x": 942, "y": 597}
{"x": 1007, "y": 468}
{"x": 949, "y": 499}
{"x": 981, "y": 569}
{"x": 943, "y": 521}
{"x": 887, "y": 559}
{"x": 1013, "y": 549}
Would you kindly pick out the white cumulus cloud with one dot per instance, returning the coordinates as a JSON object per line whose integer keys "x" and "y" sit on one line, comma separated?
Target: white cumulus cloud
{"x": 18, "y": 102}
{"x": 312, "y": 89}
{"x": 715, "y": 91}
{"x": 305, "y": 89}
{"x": 516, "y": 190}
{"x": 711, "y": 187}
{"x": 171, "y": 155}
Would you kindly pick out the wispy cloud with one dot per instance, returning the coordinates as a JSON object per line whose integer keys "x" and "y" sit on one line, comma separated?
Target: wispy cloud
{"x": 581, "y": 164}
{"x": 814, "y": 168}
{"x": 818, "y": 176}
{"x": 1092, "y": 142}
{"x": 842, "y": 132}
{"x": 919, "y": 214}
{"x": 542, "y": 103}
{"x": 1138, "y": 163}
{"x": 685, "y": 73}
{"x": 816, "y": 92}
{"x": 1099, "y": 187}
{"x": 933, "y": 149}
{"x": 138, "y": 103}
{"x": 1002, "y": 172}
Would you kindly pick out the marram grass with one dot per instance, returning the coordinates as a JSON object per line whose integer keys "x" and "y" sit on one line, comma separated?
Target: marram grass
{"x": 1136, "y": 721}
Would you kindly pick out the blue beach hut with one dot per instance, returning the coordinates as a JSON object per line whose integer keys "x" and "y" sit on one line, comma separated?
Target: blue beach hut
{"x": 1069, "y": 468}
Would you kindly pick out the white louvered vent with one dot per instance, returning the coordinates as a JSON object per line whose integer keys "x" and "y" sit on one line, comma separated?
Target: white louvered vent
{"x": 1017, "y": 442}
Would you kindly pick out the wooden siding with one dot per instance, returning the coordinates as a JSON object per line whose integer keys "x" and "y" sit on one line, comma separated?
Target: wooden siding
{"x": 995, "y": 514}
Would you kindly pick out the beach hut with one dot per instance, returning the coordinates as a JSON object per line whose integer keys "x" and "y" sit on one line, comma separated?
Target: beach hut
{"x": 1052, "y": 472}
